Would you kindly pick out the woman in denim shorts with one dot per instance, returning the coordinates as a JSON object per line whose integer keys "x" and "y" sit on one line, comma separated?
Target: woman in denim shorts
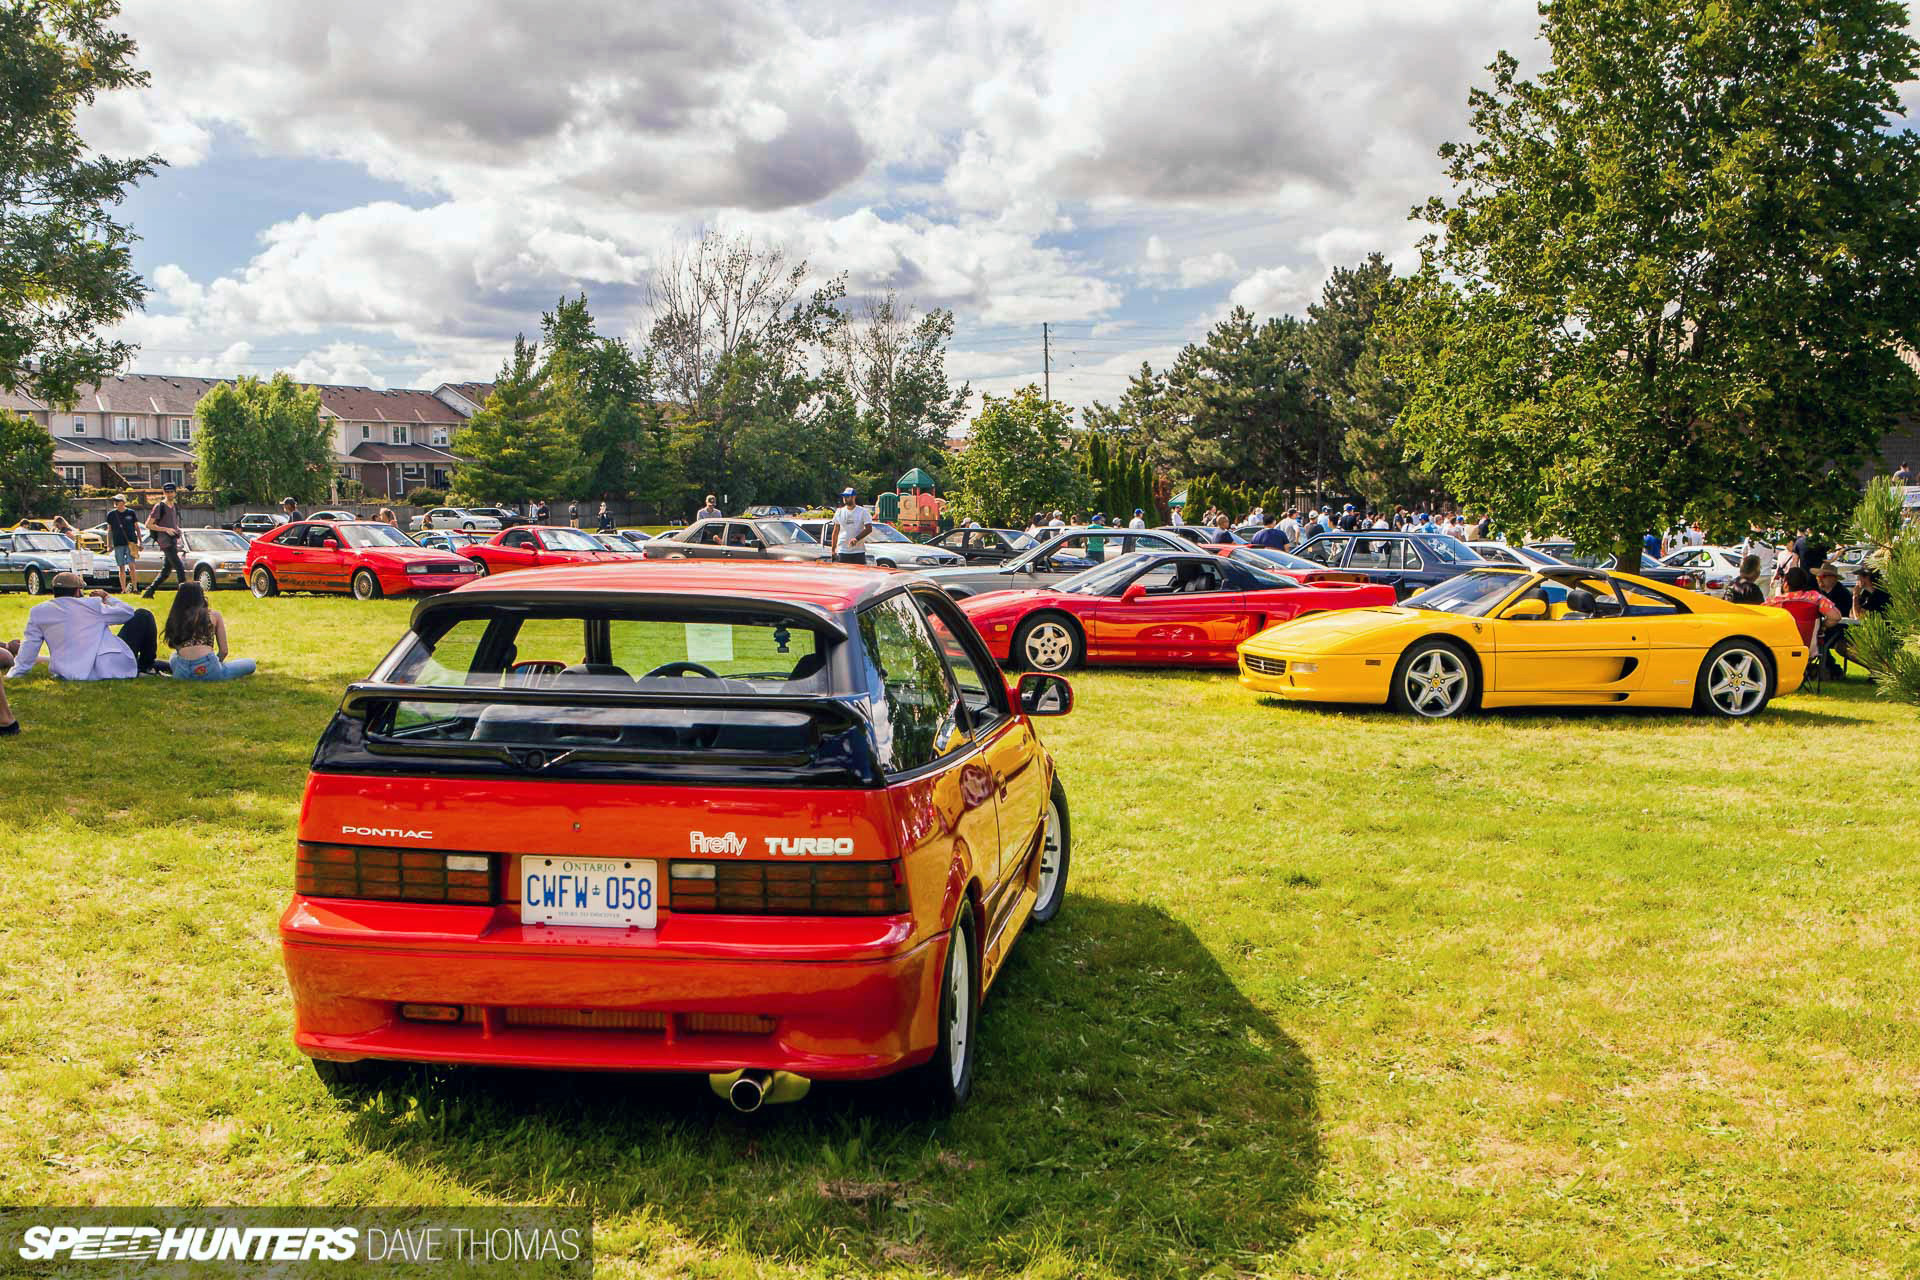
{"x": 198, "y": 637}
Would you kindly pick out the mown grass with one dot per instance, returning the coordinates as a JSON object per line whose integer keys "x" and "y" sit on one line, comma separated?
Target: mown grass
{"x": 1335, "y": 994}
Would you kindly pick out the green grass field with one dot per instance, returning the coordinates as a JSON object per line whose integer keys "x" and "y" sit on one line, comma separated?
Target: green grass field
{"x": 1334, "y": 994}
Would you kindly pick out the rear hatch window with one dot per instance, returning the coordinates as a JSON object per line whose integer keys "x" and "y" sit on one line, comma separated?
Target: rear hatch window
{"x": 701, "y": 692}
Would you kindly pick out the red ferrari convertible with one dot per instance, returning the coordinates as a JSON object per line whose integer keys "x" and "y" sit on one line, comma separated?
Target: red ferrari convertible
{"x": 1186, "y": 609}
{"x": 538, "y": 546}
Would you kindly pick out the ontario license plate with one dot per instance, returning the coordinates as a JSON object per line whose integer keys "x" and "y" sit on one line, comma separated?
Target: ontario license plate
{"x": 606, "y": 893}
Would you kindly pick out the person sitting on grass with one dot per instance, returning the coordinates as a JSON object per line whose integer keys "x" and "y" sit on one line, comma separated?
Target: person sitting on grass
{"x": 197, "y": 635}
{"x": 9, "y": 723}
{"x": 75, "y": 628}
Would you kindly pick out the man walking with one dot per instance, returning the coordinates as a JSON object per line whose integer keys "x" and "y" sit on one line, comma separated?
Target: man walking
{"x": 75, "y": 630}
{"x": 290, "y": 511}
{"x": 123, "y": 540}
{"x": 163, "y": 522}
{"x": 851, "y": 525}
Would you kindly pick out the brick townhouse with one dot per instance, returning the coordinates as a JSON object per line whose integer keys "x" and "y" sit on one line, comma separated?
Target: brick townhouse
{"x": 136, "y": 432}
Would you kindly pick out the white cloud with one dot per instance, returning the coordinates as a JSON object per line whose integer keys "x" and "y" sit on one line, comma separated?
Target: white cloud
{"x": 1275, "y": 291}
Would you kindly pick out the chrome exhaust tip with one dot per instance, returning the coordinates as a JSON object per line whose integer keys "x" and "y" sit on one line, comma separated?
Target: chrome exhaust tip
{"x": 748, "y": 1091}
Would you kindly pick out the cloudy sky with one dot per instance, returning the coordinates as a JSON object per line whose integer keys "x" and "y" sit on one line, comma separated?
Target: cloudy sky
{"x": 385, "y": 191}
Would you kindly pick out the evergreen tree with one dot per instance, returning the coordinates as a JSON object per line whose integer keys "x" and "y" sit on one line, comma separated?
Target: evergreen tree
{"x": 524, "y": 444}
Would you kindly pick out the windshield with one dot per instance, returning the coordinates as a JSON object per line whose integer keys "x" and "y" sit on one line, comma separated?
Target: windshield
{"x": 1471, "y": 594}
{"x": 1108, "y": 579}
{"x": 215, "y": 541}
{"x": 782, "y": 532}
{"x": 886, "y": 533}
{"x": 569, "y": 540}
{"x": 1276, "y": 559}
{"x": 1259, "y": 579}
{"x": 42, "y": 542}
{"x": 1020, "y": 541}
{"x": 1450, "y": 549}
{"x": 373, "y": 535}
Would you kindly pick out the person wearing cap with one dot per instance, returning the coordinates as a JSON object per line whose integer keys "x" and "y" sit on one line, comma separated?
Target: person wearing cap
{"x": 1139, "y": 520}
{"x": 163, "y": 522}
{"x": 711, "y": 511}
{"x": 850, "y": 526}
{"x": 290, "y": 511}
{"x": 123, "y": 540}
{"x": 75, "y": 628}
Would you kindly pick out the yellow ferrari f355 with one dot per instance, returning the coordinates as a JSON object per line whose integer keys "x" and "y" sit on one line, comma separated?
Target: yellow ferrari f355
{"x": 1555, "y": 636}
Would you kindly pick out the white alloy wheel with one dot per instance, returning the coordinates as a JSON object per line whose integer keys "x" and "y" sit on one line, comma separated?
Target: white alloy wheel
{"x": 1436, "y": 683}
{"x": 1048, "y": 645}
{"x": 959, "y": 1034}
{"x": 1737, "y": 681}
{"x": 1056, "y": 856}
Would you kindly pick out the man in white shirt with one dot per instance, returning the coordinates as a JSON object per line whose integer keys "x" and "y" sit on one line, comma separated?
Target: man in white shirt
{"x": 851, "y": 525}
{"x": 76, "y": 631}
{"x": 711, "y": 511}
{"x": 1139, "y": 520}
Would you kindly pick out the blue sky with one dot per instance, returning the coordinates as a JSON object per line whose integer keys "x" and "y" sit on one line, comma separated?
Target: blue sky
{"x": 385, "y": 192}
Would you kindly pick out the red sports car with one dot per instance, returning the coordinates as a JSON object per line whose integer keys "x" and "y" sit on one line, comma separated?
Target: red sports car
{"x": 1187, "y": 609}
{"x": 536, "y": 546}
{"x": 770, "y": 823}
{"x": 366, "y": 559}
{"x": 1286, "y": 564}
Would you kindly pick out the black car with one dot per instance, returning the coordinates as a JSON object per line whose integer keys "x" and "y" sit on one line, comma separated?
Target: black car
{"x": 729, "y": 539}
{"x": 1056, "y": 559}
{"x": 1407, "y": 562}
{"x": 1650, "y": 568}
{"x": 1202, "y": 535}
{"x": 985, "y": 546}
{"x": 507, "y": 516}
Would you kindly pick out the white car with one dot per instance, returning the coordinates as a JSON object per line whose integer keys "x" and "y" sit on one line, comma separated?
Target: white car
{"x": 455, "y": 518}
{"x": 1503, "y": 553}
{"x": 889, "y": 548}
{"x": 1715, "y": 568}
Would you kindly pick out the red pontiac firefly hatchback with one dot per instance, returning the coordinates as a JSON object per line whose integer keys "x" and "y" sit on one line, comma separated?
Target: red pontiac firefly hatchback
{"x": 769, "y": 822}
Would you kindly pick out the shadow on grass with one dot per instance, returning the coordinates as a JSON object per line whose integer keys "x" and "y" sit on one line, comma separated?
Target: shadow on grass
{"x": 1799, "y": 708}
{"x": 1132, "y": 1111}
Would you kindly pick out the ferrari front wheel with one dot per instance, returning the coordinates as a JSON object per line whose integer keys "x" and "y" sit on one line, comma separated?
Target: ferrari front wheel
{"x": 1735, "y": 681}
{"x": 1434, "y": 679}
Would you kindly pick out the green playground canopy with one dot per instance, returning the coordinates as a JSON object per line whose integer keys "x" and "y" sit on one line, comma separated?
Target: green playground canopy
{"x": 915, "y": 477}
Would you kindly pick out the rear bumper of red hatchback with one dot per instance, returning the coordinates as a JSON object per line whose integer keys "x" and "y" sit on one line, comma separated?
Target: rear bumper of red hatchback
{"x": 827, "y": 999}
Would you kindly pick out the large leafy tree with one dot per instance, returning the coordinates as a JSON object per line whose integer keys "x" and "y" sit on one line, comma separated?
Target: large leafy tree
{"x": 1676, "y": 272}
{"x": 1019, "y": 459}
{"x": 607, "y": 399}
{"x": 263, "y": 441}
{"x": 524, "y": 443}
{"x": 27, "y": 483}
{"x": 66, "y": 266}
{"x": 894, "y": 369}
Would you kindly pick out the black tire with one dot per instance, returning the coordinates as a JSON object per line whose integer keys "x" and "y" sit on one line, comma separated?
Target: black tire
{"x": 36, "y": 581}
{"x": 885, "y": 564}
{"x": 1057, "y": 852}
{"x": 1048, "y": 642}
{"x": 1446, "y": 678}
{"x": 467, "y": 527}
{"x": 347, "y": 1078}
{"x": 365, "y": 585}
{"x": 1744, "y": 673}
{"x": 947, "y": 1079}
{"x": 204, "y": 576}
{"x": 479, "y": 564}
{"x": 263, "y": 586}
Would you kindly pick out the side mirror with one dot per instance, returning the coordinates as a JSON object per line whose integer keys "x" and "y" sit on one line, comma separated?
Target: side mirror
{"x": 331, "y": 544}
{"x": 1533, "y": 608}
{"x": 1045, "y": 695}
{"x": 1135, "y": 591}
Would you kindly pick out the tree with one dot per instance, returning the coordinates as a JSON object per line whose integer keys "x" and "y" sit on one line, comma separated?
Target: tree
{"x": 1240, "y": 404}
{"x": 1347, "y": 358}
{"x": 263, "y": 441}
{"x": 734, "y": 347}
{"x": 607, "y": 402}
{"x": 1889, "y": 643}
{"x": 523, "y": 444}
{"x": 1142, "y": 414}
{"x": 1677, "y": 272}
{"x": 65, "y": 265}
{"x": 28, "y": 485}
{"x": 1019, "y": 459}
{"x": 894, "y": 369}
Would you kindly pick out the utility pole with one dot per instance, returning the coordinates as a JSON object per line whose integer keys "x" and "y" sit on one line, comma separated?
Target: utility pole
{"x": 1046, "y": 359}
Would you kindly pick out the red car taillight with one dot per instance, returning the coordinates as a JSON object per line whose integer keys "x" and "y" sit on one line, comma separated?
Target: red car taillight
{"x": 393, "y": 875}
{"x": 788, "y": 888}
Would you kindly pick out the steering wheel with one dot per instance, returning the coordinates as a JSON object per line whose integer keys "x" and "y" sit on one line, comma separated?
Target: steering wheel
{"x": 682, "y": 669}
{"x": 538, "y": 673}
